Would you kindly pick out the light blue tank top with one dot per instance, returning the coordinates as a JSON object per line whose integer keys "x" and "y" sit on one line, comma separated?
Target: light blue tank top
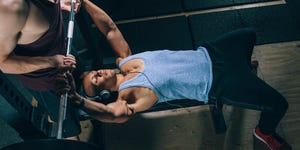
{"x": 173, "y": 74}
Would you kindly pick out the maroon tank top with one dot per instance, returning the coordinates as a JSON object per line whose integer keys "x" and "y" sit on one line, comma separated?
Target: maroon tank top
{"x": 51, "y": 43}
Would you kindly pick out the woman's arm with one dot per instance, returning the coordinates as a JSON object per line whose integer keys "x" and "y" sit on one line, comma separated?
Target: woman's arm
{"x": 13, "y": 14}
{"x": 110, "y": 30}
{"x": 115, "y": 112}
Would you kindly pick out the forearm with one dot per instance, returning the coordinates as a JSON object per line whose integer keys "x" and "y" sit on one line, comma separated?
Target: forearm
{"x": 102, "y": 112}
{"x": 98, "y": 111}
{"x": 104, "y": 23}
{"x": 15, "y": 13}
{"x": 109, "y": 29}
{"x": 25, "y": 64}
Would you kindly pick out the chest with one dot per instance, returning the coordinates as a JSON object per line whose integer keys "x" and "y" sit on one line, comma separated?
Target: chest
{"x": 35, "y": 26}
{"x": 132, "y": 67}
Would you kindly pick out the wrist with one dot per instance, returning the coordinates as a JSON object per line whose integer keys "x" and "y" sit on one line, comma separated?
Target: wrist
{"x": 79, "y": 101}
{"x": 52, "y": 62}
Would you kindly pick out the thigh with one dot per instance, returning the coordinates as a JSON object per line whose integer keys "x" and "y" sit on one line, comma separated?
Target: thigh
{"x": 249, "y": 91}
{"x": 237, "y": 45}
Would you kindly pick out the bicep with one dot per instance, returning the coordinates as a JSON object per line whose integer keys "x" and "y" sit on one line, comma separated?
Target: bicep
{"x": 118, "y": 44}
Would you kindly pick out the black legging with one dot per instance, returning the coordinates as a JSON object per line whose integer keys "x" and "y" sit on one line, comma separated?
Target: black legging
{"x": 235, "y": 84}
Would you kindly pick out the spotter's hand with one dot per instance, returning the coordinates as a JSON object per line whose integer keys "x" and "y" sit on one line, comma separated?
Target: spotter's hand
{"x": 70, "y": 61}
{"x": 64, "y": 82}
{"x": 64, "y": 63}
{"x": 66, "y": 5}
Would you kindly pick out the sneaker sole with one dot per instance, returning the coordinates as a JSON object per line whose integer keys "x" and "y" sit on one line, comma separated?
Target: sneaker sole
{"x": 259, "y": 144}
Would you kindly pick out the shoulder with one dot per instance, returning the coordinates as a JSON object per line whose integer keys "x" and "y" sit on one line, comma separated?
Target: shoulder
{"x": 14, "y": 12}
{"x": 127, "y": 95}
{"x": 14, "y": 6}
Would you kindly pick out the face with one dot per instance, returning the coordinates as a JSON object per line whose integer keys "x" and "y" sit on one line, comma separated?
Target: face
{"x": 97, "y": 80}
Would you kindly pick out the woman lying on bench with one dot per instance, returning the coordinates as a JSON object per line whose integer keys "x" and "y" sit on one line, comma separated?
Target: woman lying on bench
{"x": 219, "y": 70}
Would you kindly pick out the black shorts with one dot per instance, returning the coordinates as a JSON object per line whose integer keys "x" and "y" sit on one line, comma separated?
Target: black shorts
{"x": 234, "y": 83}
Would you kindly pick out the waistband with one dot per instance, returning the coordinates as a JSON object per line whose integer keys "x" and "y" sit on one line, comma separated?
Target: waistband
{"x": 217, "y": 58}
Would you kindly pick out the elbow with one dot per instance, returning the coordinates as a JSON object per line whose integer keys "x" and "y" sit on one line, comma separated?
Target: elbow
{"x": 3, "y": 65}
{"x": 111, "y": 25}
{"x": 122, "y": 120}
{"x": 118, "y": 118}
{"x": 112, "y": 119}
{"x": 111, "y": 31}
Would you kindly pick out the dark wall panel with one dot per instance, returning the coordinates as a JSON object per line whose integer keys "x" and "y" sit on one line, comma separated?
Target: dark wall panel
{"x": 272, "y": 23}
{"x": 206, "y": 4}
{"x": 207, "y": 27}
{"x": 120, "y": 9}
{"x": 169, "y": 33}
{"x": 294, "y": 7}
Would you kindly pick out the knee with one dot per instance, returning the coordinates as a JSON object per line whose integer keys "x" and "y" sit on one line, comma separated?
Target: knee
{"x": 250, "y": 34}
{"x": 281, "y": 105}
{"x": 285, "y": 105}
{"x": 15, "y": 6}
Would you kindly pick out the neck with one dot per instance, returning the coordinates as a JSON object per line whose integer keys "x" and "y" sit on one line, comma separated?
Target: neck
{"x": 119, "y": 81}
{"x": 121, "y": 78}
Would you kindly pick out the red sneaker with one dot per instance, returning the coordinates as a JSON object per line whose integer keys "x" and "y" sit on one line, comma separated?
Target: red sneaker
{"x": 269, "y": 142}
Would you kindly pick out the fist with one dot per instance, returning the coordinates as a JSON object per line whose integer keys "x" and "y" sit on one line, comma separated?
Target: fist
{"x": 66, "y": 5}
